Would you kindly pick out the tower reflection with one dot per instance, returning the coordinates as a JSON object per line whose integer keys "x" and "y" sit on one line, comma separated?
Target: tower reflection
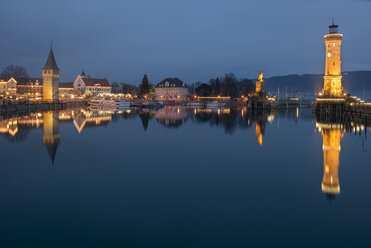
{"x": 332, "y": 135}
{"x": 51, "y": 138}
{"x": 333, "y": 127}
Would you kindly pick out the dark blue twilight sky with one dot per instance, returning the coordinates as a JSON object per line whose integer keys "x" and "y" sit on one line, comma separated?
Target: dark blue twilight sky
{"x": 191, "y": 39}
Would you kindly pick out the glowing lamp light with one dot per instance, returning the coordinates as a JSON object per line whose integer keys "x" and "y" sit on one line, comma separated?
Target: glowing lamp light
{"x": 329, "y": 54}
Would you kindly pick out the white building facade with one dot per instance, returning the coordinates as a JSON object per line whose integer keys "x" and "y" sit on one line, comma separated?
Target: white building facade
{"x": 8, "y": 87}
{"x": 93, "y": 85}
{"x": 171, "y": 89}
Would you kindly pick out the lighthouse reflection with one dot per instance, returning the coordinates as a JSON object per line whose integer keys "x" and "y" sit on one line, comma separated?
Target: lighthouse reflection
{"x": 332, "y": 135}
{"x": 333, "y": 128}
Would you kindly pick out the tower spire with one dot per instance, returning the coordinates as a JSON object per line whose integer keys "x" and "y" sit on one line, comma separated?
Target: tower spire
{"x": 50, "y": 62}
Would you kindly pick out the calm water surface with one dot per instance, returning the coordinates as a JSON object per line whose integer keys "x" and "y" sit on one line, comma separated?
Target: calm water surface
{"x": 183, "y": 178}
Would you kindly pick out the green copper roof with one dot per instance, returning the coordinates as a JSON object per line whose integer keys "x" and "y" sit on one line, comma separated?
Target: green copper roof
{"x": 50, "y": 62}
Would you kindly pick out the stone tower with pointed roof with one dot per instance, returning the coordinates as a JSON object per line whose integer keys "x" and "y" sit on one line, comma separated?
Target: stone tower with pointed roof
{"x": 50, "y": 79}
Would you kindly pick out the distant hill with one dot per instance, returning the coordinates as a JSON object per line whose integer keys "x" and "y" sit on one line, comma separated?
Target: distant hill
{"x": 313, "y": 83}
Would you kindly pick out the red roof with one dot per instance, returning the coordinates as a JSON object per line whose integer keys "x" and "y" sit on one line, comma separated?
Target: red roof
{"x": 25, "y": 81}
{"x": 66, "y": 85}
{"x": 95, "y": 82}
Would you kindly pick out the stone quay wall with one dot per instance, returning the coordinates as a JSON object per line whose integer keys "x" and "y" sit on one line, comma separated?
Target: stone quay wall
{"x": 23, "y": 108}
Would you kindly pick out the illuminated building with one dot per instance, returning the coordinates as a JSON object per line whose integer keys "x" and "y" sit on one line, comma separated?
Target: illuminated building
{"x": 34, "y": 86}
{"x": 51, "y": 137}
{"x": 93, "y": 85}
{"x": 332, "y": 80}
{"x": 50, "y": 74}
{"x": 331, "y": 152}
{"x": 8, "y": 87}
{"x": 66, "y": 88}
{"x": 171, "y": 89}
{"x": 31, "y": 86}
{"x": 3, "y": 86}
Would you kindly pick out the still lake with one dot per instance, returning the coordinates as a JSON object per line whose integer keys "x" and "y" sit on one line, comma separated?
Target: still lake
{"x": 180, "y": 177}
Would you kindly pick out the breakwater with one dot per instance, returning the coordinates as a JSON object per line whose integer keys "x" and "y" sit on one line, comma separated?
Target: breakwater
{"x": 350, "y": 109}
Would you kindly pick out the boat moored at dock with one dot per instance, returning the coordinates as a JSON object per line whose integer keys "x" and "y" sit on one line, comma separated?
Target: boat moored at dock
{"x": 151, "y": 104}
{"x": 119, "y": 104}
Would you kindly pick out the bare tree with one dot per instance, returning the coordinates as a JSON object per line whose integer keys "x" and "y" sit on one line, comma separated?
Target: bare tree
{"x": 128, "y": 88}
{"x": 15, "y": 71}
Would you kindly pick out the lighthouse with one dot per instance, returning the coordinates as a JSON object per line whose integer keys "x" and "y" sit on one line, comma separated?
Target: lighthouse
{"x": 332, "y": 80}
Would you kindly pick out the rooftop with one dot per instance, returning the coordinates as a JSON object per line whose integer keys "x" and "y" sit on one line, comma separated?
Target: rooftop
{"x": 95, "y": 81}
{"x": 50, "y": 62}
{"x": 171, "y": 82}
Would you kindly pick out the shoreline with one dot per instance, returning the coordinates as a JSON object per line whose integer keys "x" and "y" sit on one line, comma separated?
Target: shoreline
{"x": 23, "y": 108}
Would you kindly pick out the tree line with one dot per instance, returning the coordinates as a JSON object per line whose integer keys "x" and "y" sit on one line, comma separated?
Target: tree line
{"x": 228, "y": 85}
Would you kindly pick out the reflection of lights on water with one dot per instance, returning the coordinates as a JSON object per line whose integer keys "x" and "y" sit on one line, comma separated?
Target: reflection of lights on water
{"x": 297, "y": 112}
{"x": 226, "y": 111}
{"x": 270, "y": 117}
